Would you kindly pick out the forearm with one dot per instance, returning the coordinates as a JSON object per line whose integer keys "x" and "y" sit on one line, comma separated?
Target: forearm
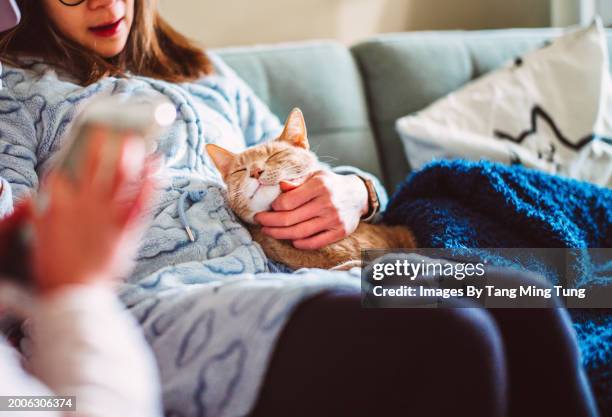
{"x": 85, "y": 344}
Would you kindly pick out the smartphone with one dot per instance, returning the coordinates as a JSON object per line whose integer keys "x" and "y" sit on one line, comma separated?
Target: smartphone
{"x": 145, "y": 118}
{"x": 9, "y": 14}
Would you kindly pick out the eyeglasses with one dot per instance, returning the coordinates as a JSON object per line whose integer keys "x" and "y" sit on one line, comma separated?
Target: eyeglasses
{"x": 71, "y": 3}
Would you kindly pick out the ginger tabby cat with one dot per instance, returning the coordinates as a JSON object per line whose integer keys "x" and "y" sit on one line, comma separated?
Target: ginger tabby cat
{"x": 253, "y": 180}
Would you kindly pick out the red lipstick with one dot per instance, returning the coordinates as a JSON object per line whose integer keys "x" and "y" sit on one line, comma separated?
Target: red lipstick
{"x": 107, "y": 30}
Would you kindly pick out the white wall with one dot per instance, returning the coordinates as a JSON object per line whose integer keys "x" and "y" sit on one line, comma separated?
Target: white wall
{"x": 573, "y": 12}
{"x": 243, "y": 22}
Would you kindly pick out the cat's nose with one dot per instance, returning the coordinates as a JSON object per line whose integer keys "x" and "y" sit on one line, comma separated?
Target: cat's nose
{"x": 256, "y": 173}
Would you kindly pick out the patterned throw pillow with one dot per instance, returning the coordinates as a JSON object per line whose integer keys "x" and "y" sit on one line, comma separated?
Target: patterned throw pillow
{"x": 550, "y": 110}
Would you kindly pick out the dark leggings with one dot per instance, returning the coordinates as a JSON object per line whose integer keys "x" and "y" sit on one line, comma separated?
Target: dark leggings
{"x": 336, "y": 359}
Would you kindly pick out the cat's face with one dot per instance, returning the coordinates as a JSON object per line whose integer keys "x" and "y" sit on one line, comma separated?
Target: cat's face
{"x": 253, "y": 177}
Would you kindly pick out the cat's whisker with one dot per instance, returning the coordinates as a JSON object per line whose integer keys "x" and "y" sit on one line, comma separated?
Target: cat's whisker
{"x": 289, "y": 166}
{"x": 331, "y": 158}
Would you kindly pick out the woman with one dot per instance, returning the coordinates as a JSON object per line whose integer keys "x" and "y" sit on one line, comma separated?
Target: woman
{"x": 214, "y": 339}
{"x": 82, "y": 342}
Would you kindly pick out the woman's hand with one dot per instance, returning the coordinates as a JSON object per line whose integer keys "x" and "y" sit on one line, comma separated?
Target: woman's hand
{"x": 323, "y": 210}
{"x": 87, "y": 232}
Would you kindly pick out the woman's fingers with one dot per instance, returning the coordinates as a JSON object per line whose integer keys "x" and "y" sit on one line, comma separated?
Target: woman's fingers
{"x": 319, "y": 241}
{"x": 130, "y": 164}
{"x": 115, "y": 168}
{"x": 59, "y": 191}
{"x": 288, "y": 186}
{"x": 133, "y": 181}
{"x": 299, "y": 231}
{"x": 110, "y": 162}
{"x": 90, "y": 166}
{"x": 128, "y": 213}
{"x": 289, "y": 218}
{"x": 297, "y": 197}
{"x": 120, "y": 172}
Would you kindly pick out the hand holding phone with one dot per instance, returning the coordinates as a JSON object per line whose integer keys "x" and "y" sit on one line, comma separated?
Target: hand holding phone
{"x": 74, "y": 228}
{"x": 85, "y": 234}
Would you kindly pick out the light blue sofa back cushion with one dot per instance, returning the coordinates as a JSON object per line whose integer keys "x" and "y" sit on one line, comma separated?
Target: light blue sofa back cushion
{"x": 404, "y": 73}
{"x": 323, "y": 80}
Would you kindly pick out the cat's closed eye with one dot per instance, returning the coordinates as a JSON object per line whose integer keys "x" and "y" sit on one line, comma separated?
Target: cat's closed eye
{"x": 238, "y": 171}
{"x": 274, "y": 155}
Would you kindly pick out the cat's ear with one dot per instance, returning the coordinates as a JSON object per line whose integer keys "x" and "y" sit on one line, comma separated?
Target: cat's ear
{"x": 221, "y": 157}
{"x": 295, "y": 130}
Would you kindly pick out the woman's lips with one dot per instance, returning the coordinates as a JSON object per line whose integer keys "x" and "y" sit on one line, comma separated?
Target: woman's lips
{"x": 107, "y": 30}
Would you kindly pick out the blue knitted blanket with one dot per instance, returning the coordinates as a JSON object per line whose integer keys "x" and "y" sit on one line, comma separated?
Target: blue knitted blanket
{"x": 460, "y": 204}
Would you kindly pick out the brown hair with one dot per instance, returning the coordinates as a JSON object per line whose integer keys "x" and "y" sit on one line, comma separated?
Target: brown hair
{"x": 154, "y": 49}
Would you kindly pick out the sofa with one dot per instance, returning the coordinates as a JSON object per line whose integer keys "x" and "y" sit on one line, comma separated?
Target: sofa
{"x": 351, "y": 97}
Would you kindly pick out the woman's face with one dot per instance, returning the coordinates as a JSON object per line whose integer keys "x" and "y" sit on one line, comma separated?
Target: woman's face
{"x": 102, "y": 26}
